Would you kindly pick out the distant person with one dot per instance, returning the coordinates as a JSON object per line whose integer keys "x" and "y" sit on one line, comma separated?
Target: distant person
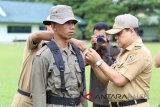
{"x": 157, "y": 61}
{"x": 23, "y": 97}
{"x": 129, "y": 77}
{"x": 100, "y": 42}
{"x": 157, "y": 64}
{"x": 58, "y": 67}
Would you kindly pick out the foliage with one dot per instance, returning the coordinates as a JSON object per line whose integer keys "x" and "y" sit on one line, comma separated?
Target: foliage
{"x": 93, "y": 11}
{"x": 106, "y": 10}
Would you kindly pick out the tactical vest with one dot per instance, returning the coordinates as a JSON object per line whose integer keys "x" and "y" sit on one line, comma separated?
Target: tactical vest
{"x": 60, "y": 63}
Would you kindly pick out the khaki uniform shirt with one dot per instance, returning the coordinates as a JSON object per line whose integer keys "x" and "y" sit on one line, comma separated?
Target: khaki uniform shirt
{"x": 25, "y": 76}
{"x": 135, "y": 64}
{"x": 46, "y": 76}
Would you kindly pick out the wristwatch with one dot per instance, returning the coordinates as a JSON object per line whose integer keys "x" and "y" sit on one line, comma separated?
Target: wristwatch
{"x": 99, "y": 62}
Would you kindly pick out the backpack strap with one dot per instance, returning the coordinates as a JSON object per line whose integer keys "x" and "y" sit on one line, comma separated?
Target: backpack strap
{"x": 59, "y": 62}
{"x": 81, "y": 64}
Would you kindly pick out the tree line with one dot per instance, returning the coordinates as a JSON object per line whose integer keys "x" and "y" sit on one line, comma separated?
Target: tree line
{"x": 105, "y": 10}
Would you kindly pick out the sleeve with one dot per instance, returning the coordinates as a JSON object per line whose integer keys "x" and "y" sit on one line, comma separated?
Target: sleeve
{"x": 134, "y": 65}
{"x": 39, "y": 82}
{"x": 30, "y": 43}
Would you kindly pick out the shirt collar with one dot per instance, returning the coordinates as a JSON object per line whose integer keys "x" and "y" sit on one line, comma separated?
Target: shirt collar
{"x": 70, "y": 48}
{"x": 63, "y": 49}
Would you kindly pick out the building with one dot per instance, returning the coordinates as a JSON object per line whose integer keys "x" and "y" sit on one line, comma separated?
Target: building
{"x": 19, "y": 19}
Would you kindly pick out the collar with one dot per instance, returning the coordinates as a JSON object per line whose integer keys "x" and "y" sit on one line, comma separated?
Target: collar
{"x": 69, "y": 48}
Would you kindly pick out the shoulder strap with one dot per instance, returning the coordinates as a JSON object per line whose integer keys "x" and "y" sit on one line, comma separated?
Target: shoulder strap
{"x": 81, "y": 63}
{"x": 79, "y": 57}
{"x": 59, "y": 62}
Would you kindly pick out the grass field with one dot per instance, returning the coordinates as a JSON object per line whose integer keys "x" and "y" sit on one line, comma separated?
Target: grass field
{"x": 10, "y": 64}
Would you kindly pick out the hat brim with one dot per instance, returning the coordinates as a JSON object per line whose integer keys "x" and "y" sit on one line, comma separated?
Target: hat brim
{"x": 114, "y": 31}
{"x": 59, "y": 21}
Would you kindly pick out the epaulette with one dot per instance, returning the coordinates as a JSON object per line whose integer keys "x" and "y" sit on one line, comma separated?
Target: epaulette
{"x": 137, "y": 47}
{"x": 39, "y": 52}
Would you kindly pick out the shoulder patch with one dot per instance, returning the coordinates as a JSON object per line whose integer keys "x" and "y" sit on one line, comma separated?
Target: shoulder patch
{"x": 131, "y": 55}
{"x": 130, "y": 58}
{"x": 39, "y": 52}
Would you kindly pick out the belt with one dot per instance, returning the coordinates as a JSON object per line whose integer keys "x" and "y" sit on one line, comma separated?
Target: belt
{"x": 127, "y": 103}
{"x": 24, "y": 93}
{"x": 63, "y": 100}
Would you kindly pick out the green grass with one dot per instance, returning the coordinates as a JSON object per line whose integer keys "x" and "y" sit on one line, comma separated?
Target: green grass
{"x": 11, "y": 61}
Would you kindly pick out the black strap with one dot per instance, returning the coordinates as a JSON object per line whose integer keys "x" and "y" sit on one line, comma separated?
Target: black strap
{"x": 23, "y": 93}
{"x": 79, "y": 57}
{"x": 81, "y": 64}
{"x": 63, "y": 101}
{"x": 59, "y": 62}
{"x": 128, "y": 103}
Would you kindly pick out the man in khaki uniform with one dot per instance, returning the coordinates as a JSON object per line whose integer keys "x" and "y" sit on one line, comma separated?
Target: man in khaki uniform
{"x": 33, "y": 44}
{"x": 47, "y": 82}
{"x": 129, "y": 77}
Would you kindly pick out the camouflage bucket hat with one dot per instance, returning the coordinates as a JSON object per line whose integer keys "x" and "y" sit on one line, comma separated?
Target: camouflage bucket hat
{"x": 60, "y": 14}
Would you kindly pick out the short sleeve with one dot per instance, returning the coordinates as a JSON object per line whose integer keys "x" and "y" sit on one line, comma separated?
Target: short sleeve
{"x": 133, "y": 66}
{"x": 30, "y": 44}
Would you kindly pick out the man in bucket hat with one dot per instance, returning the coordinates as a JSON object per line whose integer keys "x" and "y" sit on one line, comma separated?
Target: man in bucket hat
{"x": 60, "y": 14}
{"x": 129, "y": 77}
{"x": 34, "y": 42}
{"x": 58, "y": 78}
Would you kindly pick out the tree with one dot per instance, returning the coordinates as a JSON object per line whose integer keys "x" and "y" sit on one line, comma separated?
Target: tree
{"x": 106, "y": 10}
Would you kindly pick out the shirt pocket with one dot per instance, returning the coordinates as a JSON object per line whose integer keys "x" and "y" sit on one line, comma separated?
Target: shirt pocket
{"x": 120, "y": 65}
{"x": 55, "y": 72}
